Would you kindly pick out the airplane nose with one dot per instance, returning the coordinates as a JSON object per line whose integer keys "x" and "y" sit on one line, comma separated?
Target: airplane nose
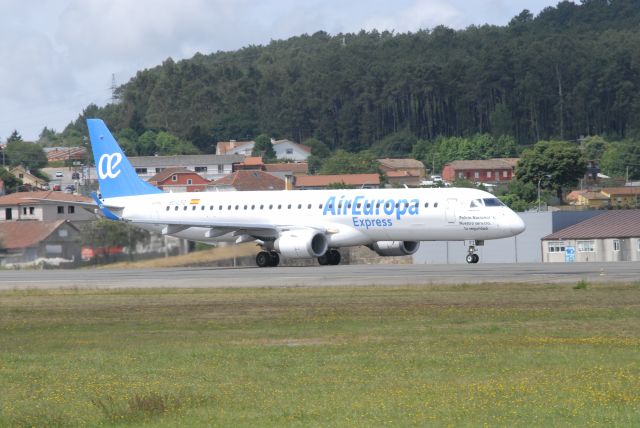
{"x": 517, "y": 225}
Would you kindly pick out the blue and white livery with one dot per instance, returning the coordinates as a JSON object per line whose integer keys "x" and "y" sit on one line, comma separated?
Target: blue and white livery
{"x": 300, "y": 223}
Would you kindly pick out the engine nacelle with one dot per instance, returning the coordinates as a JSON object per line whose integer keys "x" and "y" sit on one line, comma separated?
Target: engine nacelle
{"x": 395, "y": 248}
{"x": 300, "y": 244}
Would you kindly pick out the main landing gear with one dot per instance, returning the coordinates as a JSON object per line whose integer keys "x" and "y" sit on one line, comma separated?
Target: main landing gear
{"x": 267, "y": 259}
{"x": 331, "y": 257}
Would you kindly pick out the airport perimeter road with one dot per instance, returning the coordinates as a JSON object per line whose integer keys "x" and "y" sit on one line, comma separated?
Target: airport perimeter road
{"x": 323, "y": 276}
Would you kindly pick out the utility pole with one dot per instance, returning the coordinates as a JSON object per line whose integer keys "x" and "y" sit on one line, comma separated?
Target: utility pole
{"x": 113, "y": 88}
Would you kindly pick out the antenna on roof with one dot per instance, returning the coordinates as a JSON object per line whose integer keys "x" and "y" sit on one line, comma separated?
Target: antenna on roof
{"x": 113, "y": 88}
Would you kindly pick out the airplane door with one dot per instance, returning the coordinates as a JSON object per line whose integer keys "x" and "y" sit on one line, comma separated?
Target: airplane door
{"x": 155, "y": 210}
{"x": 450, "y": 211}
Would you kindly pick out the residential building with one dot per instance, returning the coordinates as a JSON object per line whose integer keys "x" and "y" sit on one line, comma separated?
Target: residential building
{"x": 480, "y": 171}
{"x": 285, "y": 149}
{"x": 179, "y": 180}
{"x": 364, "y": 181}
{"x": 402, "y": 171}
{"x": 244, "y": 180}
{"x": 43, "y": 206}
{"x": 589, "y": 199}
{"x": 211, "y": 167}
{"x": 27, "y": 178}
{"x": 610, "y": 236}
{"x": 623, "y": 197}
{"x": 49, "y": 242}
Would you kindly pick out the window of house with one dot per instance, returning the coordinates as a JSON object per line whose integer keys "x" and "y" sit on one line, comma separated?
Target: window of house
{"x": 60, "y": 209}
{"x": 201, "y": 169}
{"x": 289, "y": 151}
{"x": 616, "y": 245}
{"x": 159, "y": 170}
{"x": 63, "y": 233}
{"x": 24, "y": 210}
{"x": 556, "y": 246}
{"x": 586, "y": 246}
{"x": 476, "y": 174}
{"x": 141, "y": 170}
{"x": 8, "y": 214}
{"x": 174, "y": 178}
{"x": 32, "y": 210}
{"x": 189, "y": 181}
{"x": 489, "y": 174}
{"x": 505, "y": 173}
{"x": 461, "y": 175}
{"x": 220, "y": 169}
{"x": 71, "y": 209}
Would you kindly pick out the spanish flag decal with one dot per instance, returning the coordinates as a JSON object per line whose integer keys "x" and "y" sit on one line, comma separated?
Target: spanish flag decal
{"x": 194, "y": 201}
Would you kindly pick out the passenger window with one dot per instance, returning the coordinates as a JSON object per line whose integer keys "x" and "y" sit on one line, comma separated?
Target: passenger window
{"x": 261, "y": 207}
{"x": 279, "y": 206}
{"x": 289, "y": 206}
{"x": 220, "y": 207}
{"x": 245, "y": 207}
{"x": 229, "y": 207}
{"x": 309, "y": 206}
{"x": 203, "y": 207}
{"x": 435, "y": 205}
{"x": 253, "y": 207}
{"x": 176, "y": 208}
{"x": 299, "y": 206}
{"x": 194, "y": 208}
{"x": 185, "y": 208}
{"x": 167, "y": 208}
{"x": 320, "y": 206}
{"x": 270, "y": 207}
{"x": 211, "y": 208}
{"x": 426, "y": 204}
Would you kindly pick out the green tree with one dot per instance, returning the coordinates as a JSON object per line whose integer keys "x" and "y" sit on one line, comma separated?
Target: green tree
{"x": 168, "y": 144}
{"x": 557, "y": 164}
{"x": 622, "y": 158}
{"x": 103, "y": 234}
{"x": 15, "y": 137}
{"x": 29, "y": 155}
{"x": 343, "y": 162}
{"x": 594, "y": 147}
{"x": 11, "y": 182}
{"x": 263, "y": 147}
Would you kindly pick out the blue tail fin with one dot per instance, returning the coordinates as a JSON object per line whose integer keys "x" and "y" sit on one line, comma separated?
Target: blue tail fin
{"x": 116, "y": 176}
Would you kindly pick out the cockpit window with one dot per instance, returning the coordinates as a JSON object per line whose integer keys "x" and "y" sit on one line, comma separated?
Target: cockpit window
{"x": 493, "y": 202}
{"x": 476, "y": 203}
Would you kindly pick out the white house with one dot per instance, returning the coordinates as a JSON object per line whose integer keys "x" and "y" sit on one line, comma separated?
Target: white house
{"x": 285, "y": 149}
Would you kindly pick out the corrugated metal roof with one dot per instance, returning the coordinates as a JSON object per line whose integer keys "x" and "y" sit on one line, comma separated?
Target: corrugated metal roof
{"x": 183, "y": 160}
{"x": 349, "y": 179}
{"x": 609, "y": 224}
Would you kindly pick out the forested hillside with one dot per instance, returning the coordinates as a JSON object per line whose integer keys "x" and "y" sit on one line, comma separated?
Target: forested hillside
{"x": 573, "y": 70}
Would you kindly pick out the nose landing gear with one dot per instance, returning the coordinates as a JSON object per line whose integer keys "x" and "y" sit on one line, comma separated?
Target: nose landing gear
{"x": 472, "y": 257}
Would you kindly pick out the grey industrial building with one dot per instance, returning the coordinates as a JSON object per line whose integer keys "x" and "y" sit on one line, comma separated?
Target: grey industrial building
{"x": 524, "y": 248}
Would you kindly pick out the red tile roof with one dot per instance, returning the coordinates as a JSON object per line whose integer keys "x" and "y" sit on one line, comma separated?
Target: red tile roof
{"x": 251, "y": 180}
{"x": 622, "y": 191}
{"x": 499, "y": 163}
{"x": 610, "y": 224}
{"x": 348, "y": 179}
{"x": 23, "y": 198}
{"x": 167, "y": 173}
{"x": 24, "y": 234}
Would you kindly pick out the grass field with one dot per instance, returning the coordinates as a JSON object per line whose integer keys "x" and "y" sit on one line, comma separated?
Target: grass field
{"x": 500, "y": 355}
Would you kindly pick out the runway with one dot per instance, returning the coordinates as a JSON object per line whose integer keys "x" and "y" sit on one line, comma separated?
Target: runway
{"x": 322, "y": 276}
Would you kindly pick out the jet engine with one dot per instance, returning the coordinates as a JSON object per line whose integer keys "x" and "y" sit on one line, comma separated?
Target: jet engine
{"x": 395, "y": 248}
{"x": 303, "y": 243}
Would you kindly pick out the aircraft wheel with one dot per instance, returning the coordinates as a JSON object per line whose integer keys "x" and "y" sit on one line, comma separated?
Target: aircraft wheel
{"x": 274, "y": 258}
{"x": 470, "y": 258}
{"x": 334, "y": 257}
{"x": 263, "y": 259}
{"x": 323, "y": 260}
{"x": 476, "y": 258}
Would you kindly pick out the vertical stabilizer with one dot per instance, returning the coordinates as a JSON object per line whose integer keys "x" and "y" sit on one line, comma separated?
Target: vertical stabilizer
{"x": 116, "y": 176}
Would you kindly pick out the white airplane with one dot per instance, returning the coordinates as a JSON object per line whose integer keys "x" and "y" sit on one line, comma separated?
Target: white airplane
{"x": 300, "y": 223}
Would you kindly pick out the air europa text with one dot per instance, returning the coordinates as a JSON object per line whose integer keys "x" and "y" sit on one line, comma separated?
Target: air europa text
{"x": 359, "y": 206}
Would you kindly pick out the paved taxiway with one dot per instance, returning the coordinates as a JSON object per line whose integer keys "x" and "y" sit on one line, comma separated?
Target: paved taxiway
{"x": 323, "y": 276}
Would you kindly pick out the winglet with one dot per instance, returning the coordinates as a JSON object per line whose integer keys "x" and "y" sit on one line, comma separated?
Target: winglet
{"x": 104, "y": 210}
{"x": 116, "y": 176}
